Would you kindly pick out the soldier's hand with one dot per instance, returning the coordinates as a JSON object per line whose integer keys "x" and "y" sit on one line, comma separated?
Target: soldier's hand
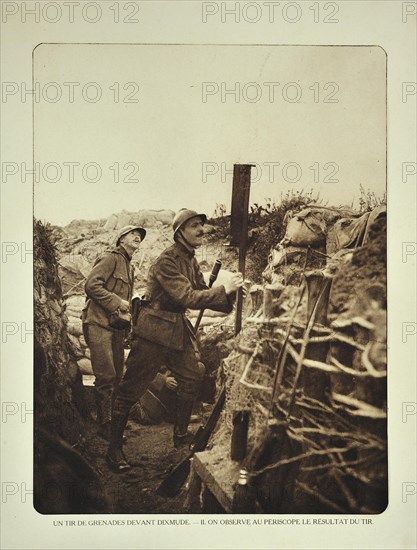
{"x": 171, "y": 383}
{"x": 235, "y": 282}
{"x": 246, "y": 287}
{"x": 124, "y": 306}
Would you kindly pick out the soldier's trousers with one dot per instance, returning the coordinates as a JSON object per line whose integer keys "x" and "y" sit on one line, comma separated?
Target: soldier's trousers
{"x": 107, "y": 357}
{"x": 144, "y": 361}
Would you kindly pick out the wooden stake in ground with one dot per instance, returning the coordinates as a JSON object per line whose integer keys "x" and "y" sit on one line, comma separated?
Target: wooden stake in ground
{"x": 239, "y": 226}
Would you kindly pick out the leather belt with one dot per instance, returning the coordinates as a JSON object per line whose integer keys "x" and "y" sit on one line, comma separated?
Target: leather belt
{"x": 157, "y": 306}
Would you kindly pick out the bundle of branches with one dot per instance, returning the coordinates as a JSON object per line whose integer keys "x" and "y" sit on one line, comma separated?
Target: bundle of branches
{"x": 335, "y": 440}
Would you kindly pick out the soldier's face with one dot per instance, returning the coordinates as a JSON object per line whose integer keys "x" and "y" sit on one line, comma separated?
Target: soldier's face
{"x": 131, "y": 241}
{"x": 193, "y": 232}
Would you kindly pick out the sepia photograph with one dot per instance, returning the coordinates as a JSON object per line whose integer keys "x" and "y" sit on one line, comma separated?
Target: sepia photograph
{"x": 208, "y": 265}
{"x": 210, "y": 305}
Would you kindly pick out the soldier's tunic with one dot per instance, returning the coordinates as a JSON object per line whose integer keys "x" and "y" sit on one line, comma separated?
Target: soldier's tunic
{"x": 162, "y": 334}
{"x": 109, "y": 282}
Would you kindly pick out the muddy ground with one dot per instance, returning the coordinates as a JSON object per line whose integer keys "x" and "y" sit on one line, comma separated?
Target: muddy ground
{"x": 150, "y": 451}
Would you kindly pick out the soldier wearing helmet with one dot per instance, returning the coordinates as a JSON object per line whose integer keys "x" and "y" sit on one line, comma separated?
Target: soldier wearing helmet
{"x": 163, "y": 335}
{"x": 109, "y": 288}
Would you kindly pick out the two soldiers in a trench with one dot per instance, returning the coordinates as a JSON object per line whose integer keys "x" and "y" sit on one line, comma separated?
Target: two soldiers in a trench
{"x": 162, "y": 336}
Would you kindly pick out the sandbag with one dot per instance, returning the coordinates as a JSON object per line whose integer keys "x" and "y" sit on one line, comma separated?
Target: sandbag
{"x": 373, "y": 216}
{"x": 75, "y": 326}
{"x": 76, "y": 264}
{"x": 82, "y": 341}
{"x": 73, "y": 313}
{"x": 307, "y": 228}
{"x": 347, "y": 233}
{"x": 77, "y": 347}
{"x": 85, "y": 366}
{"x": 75, "y": 302}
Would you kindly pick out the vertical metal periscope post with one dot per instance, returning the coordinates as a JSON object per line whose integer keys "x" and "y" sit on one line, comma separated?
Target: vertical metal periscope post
{"x": 239, "y": 225}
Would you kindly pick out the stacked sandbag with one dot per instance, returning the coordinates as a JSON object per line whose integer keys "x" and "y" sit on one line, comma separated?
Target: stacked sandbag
{"x": 305, "y": 231}
{"x": 320, "y": 231}
{"x": 347, "y": 233}
{"x": 307, "y": 228}
{"x": 351, "y": 232}
{"x": 74, "y": 306}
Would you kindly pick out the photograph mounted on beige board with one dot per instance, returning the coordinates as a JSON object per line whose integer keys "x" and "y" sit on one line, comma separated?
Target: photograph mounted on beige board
{"x": 272, "y": 170}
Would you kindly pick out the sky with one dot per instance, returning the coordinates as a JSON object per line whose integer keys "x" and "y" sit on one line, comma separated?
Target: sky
{"x": 130, "y": 127}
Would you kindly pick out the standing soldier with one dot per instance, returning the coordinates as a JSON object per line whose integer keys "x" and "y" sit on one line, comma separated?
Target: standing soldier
{"x": 163, "y": 335}
{"x": 109, "y": 289}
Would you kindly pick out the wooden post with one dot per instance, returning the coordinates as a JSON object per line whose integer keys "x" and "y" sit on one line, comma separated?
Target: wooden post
{"x": 239, "y": 225}
{"x": 317, "y": 383}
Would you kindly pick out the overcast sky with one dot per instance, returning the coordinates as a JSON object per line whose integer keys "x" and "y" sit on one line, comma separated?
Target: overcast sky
{"x": 308, "y": 116}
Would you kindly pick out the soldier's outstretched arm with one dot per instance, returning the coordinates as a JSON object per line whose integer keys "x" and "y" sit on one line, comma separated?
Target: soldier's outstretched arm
{"x": 179, "y": 288}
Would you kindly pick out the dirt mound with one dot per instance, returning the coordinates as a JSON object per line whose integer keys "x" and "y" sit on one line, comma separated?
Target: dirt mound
{"x": 58, "y": 385}
{"x": 65, "y": 477}
{"x": 367, "y": 265}
{"x": 145, "y": 218}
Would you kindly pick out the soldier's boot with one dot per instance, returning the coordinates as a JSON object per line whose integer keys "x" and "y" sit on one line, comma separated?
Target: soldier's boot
{"x": 113, "y": 398}
{"x": 104, "y": 416}
{"x": 183, "y": 411}
{"x": 99, "y": 416}
{"x": 115, "y": 457}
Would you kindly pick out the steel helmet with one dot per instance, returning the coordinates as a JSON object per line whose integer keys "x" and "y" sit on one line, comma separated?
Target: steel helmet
{"x": 183, "y": 216}
{"x": 127, "y": 229}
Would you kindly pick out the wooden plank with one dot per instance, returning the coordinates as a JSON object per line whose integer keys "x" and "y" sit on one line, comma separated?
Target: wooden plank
{"x": 218, "y": 475}
{"x": 192, "y": 503}
{"x": 240, "y": 204}
{"x": 239, "y": 226}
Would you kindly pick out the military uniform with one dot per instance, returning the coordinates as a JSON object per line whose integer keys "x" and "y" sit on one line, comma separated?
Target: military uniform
{"x": 109, "y": 282}
{"x": 163, "y": 335}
